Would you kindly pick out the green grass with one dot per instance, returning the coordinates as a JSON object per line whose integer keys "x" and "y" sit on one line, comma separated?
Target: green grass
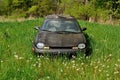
{"x": 18, "y": 63}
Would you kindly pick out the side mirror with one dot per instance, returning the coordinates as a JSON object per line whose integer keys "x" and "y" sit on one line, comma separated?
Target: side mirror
{"x": 36, "y": 28}
{"x": 83, "y": 29}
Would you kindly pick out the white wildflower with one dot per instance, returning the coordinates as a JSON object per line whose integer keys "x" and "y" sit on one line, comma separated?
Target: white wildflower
{"x": 34, "y": 65}
{"x": 41, "y": 56}
{"x": 47, "y": 58}
{"x": 98, "y": 62}
{"x": 91, "y": 63}
{"x": 48, "y": 77}
{"x": 108, "y": 66}
{"x": 94, "y": 62}
{"x": 107, "y": 75}
{"x": 82, "y": 68}
{"x": 20, "y": 57}
{"x": 87, "y": 57}
{"x": 116, "y": 65}
{"x": 96, "y": 67}
{"x": 73, "y": 61}
{"x": 1, "y": 61}
{"x": 110, "y": 55}
{"x": 16, "y": 56}
{"x": 61, "y": 70}
{"x": 108, "y": 79}
{"x": 103, "y": 66}
{"x": 38, "y": 59}
{"x": 73, "y": 66}
{"x": 73, "y": 56}
{"x": 118, "y": 60}
{"x": 79, "y": 58}
{"x": 28, "y": 60}
{"x": 36, "y": 62}
{"x": 8, "y": 46}
{"x": 67, "y": 67}
{"x": 99, "y": 70}
{"x": 31, "y": 58}
{"x": 65, "y": 64}
{"x": 106, "y": 71}
{"x": 39, "y": 65}
{"x": 78, "y": 69}
{"x": 15, "y": 52}
{"x": 116, "y": 72}
{"x": 82, "y": 63}
{"x": 18, "y": 69}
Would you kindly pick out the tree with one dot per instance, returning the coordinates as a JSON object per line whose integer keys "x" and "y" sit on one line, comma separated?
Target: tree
{"x": 2, "y": 7}
{"x": 81, "y": 9}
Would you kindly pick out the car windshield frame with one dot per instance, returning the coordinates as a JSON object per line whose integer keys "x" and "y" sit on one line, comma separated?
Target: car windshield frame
{"x": 61, "y": 25}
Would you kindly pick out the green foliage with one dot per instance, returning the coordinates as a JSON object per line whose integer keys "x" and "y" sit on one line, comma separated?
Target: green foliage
{"x": 18, "y": 13}
{"x": 71, "y": 9}
{"x": 87, "y": 11}
{"x": 17, "y": 61}
{"x": 3, "y": 7}
{"x": 44, "y": 8}
{"x": 32, "y": 10}
{"x": 81, "y": 9}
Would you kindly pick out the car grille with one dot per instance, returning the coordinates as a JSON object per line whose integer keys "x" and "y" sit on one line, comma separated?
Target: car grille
{"x": 60, "y": 47}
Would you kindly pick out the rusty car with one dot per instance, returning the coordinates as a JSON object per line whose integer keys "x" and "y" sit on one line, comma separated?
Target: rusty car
{"x": 60, "y": 34}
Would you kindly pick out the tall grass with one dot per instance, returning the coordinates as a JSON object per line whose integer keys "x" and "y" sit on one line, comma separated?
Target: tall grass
{"x": 17, "y": 62}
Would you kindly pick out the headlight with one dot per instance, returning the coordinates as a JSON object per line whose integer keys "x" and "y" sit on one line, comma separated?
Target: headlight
{"x": 40, "y": 45}
{"x": 81, "y": 46}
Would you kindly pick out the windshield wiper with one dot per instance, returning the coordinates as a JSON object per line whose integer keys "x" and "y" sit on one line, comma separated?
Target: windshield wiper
{"x": 45, "y": 30}
{"x": 66, "y": 32}
{"x": 60, "y": 31}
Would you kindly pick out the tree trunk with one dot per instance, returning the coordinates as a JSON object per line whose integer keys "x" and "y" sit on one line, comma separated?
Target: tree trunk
{"x": 86, "y": 1}
{"x": 111, "y": 19}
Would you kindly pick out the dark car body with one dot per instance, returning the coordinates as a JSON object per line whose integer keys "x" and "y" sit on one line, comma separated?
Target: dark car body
{"x": 60, "y": 34}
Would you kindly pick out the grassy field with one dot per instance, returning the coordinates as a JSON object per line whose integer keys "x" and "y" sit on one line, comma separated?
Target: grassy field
{"x": 17, "y": 62}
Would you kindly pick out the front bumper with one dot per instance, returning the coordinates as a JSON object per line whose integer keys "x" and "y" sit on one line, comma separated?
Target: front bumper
{"x": 58, "y": 51}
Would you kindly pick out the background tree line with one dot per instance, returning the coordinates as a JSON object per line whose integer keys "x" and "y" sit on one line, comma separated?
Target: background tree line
{"x": 92, "y": 10}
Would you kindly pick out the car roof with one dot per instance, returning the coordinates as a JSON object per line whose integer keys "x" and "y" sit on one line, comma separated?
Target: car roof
{"x": 54, "y": 16}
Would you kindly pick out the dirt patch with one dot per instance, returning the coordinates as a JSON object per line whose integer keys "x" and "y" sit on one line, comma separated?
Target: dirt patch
{"x": 4, "y": 19}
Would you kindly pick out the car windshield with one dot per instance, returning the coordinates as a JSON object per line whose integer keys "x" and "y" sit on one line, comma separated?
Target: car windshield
{"x": 61, "y": 26}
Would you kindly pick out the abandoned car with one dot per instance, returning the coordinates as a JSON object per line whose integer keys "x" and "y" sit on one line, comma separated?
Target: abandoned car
{"x": 59, "y": 34}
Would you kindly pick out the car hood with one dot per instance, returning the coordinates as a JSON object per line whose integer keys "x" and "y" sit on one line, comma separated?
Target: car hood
{"x": 54, "y": 39}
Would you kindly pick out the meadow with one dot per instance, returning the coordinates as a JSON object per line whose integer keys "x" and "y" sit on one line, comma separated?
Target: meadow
{"x": 17, "y": 61}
